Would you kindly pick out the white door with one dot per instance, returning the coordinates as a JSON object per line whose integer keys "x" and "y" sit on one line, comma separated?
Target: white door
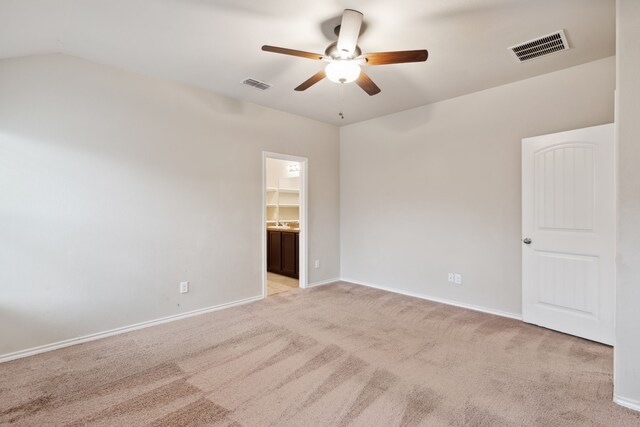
{"x": 568, "y": 225}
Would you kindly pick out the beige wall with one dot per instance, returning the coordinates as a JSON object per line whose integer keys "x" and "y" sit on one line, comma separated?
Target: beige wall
{"x": 627, "y": 349}
{"x": 436, "y": 189}
{"x": 114, "y": 187}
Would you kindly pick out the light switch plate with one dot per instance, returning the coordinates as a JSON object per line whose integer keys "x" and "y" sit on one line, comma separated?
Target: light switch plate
{"x": 457, "y": 279}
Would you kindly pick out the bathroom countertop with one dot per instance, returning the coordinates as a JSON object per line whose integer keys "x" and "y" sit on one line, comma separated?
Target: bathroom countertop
{"x": 291, "y": 230}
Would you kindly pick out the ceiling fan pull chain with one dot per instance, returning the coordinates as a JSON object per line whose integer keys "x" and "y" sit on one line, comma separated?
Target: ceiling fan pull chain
{"x": 340, "y": 114}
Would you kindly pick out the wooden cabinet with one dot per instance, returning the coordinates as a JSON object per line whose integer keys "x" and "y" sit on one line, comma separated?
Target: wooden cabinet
{"x": 290, "y": 254}
{"x": 282, "y": 252}
{"x": 274, "y": 251}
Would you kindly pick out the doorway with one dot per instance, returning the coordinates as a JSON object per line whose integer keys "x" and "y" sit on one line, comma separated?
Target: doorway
{"x": 568, "y": 224}
{"x": 284, "y": 225}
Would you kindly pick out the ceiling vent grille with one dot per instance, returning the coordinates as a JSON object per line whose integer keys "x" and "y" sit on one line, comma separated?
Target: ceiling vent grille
{"x": 541, "y": 46}
{"x": 257, "y": 84}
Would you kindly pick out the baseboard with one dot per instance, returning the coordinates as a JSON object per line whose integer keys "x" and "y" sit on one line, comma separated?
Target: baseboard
{"x": 627, "y": 403}
{"x": 92, "y": 337}
{"x": 437, "y": 299}
{"x": 323, "y": 282}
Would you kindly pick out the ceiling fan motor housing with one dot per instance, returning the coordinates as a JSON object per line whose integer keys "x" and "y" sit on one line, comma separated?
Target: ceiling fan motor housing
{"x": 332, "y": 52}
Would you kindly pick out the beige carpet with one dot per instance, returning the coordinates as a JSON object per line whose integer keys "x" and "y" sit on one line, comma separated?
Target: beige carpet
{"x": 335, "y": 355}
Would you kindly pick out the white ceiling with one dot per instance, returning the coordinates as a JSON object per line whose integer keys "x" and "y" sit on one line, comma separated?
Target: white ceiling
{"x": 215, "y": 44}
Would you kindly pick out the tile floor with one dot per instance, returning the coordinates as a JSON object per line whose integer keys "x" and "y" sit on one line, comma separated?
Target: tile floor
{"x": 277, "y": 283}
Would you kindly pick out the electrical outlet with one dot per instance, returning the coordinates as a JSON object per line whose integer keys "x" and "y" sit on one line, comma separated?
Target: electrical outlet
{"x": 450, "y": 277}
{"x": 457, "y": 279}
{"x": 317, "y": 264}
{"x": 184, "y": 287}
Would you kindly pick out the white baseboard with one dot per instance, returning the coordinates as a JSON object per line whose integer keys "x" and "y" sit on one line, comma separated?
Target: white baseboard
{"x": 437, "y": 299}
{"x": 323, "y": 282}
{"x": 86, "y": 338}
{"x": 92, "y": 337}
{"x": 627, "y": 403}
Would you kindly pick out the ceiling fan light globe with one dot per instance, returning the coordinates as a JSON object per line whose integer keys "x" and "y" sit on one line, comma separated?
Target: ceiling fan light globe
{"x": 342, "y": 71}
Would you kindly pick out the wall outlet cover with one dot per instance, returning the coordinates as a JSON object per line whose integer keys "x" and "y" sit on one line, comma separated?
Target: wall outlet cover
{"x": 184, "y": 287}
{"x": 458, "y": 279}
{"x": 317, "y": 264}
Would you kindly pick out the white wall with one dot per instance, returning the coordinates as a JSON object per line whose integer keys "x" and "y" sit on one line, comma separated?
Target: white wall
{"x": 627, "y": 349}
{"x": 436, "y": 189}
{"x": 114, "y": 187}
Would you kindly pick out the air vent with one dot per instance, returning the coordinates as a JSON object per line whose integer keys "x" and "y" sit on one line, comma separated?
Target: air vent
{"x": 256, "y": 84}
{"x": 541, "y": 46}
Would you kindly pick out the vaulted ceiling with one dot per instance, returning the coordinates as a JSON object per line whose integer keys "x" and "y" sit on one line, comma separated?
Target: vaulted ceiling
{"x": 215, "y": 44}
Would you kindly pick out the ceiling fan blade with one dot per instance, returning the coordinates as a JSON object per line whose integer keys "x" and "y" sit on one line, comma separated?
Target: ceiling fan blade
{"x": 367, "y": 84}
{"x": 349, "y": 31}
{"x": 292, "y": 52}
{"x": 311, "y": 81}
{"x": 383, "y": 58}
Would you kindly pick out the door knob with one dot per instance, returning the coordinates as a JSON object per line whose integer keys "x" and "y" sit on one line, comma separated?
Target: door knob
{"x": 526, "y": 241}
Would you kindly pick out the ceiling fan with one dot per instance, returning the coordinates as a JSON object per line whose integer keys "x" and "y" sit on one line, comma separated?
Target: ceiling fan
{"x": 345, "y": 57}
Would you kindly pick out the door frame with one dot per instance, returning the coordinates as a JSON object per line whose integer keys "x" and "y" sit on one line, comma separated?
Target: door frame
{"x": 303, "y": 241}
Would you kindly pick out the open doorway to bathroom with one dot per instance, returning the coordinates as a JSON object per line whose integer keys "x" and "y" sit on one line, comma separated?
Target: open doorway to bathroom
{"x": 284, "y": 214}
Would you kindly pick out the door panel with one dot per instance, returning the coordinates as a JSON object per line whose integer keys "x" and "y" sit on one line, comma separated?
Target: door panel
{"x": 568, "y": 213}
{"x": 565, "y": 188}
{"x": 568, "y": 282}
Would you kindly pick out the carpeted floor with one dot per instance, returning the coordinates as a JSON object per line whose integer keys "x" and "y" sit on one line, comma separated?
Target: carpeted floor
{"x": 334, "y": 355}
